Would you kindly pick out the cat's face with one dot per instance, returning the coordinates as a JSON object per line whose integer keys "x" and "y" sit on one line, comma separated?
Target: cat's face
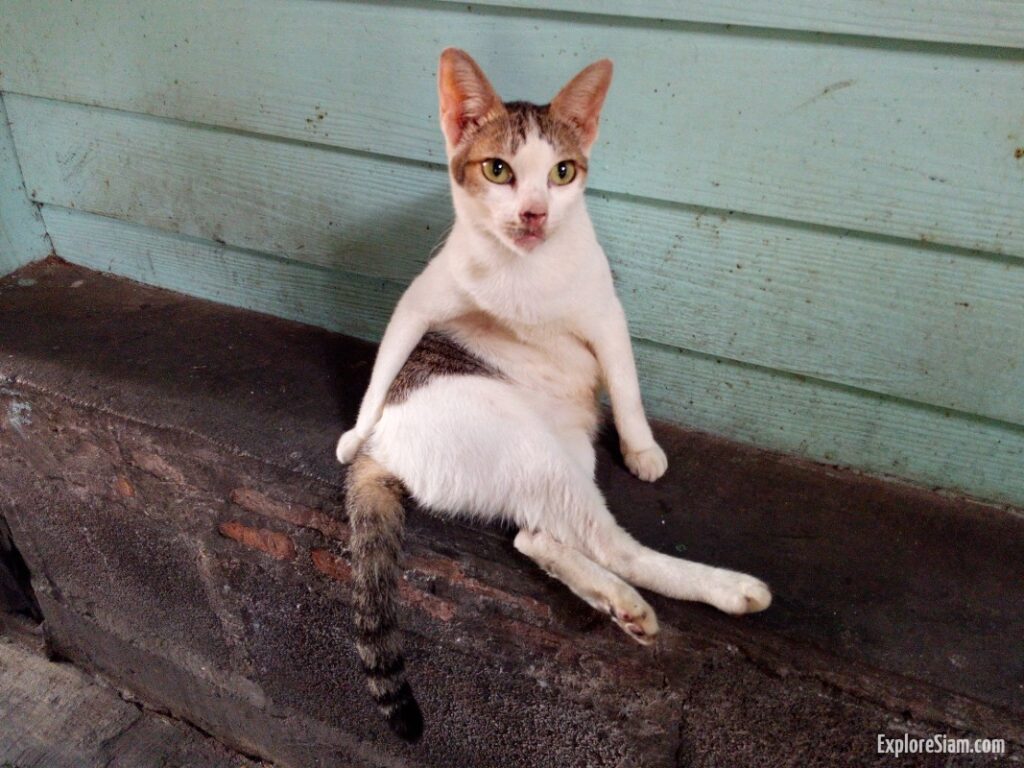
{"x": 518, "y": 169}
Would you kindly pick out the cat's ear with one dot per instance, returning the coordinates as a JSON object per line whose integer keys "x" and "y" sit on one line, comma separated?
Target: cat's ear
{"x": 466, "y": 96}
{"x": 580, "y": 102}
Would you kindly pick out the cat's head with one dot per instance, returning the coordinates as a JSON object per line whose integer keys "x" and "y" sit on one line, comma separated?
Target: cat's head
{"x": 517, "y": 169}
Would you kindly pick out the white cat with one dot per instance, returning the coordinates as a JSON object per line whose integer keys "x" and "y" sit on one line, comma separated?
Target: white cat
{"x": 483, "y": 398}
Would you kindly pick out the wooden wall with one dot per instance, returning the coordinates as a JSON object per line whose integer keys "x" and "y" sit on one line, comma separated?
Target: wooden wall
{"x": 22, "y": 237}
{"x": 813, "y": 209}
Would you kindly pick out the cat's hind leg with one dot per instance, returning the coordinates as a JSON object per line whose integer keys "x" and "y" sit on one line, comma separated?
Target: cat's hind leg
{"x": 601, "y": 537}
{"x": 477, "y": 446}
{"x": 576, "y": 515}
{"x": 597, "y": 586}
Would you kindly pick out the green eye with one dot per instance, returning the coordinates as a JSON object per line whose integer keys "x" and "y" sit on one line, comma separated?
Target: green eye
{"x": 496, "y": 170}
{"x": 563, "y": 172}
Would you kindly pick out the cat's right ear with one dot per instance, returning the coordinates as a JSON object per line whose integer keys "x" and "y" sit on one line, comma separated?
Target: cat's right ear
{"x": 466, "y": 97}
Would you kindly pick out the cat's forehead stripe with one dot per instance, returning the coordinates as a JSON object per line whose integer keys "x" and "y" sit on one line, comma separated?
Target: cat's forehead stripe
{"x": 505, "y": 134}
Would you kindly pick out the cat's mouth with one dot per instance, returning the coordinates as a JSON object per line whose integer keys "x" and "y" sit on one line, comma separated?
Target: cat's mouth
{"x": 527, "y": 238}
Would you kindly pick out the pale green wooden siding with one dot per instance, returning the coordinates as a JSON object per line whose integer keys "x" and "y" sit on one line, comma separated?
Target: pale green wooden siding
{"x": 814, "y": 217}
{"x": 22, "y": 238}
{"x": 917, "y": 142}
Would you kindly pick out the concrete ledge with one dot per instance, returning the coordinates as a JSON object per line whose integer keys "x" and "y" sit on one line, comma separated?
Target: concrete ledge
{"x": 56, "y": 716}
{"x": 166, "y": 472}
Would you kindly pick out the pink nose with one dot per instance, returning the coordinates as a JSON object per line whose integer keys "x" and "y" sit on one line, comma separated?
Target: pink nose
{"x": 533, "y": 217}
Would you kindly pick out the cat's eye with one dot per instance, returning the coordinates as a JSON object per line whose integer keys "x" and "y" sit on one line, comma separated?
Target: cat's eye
{"x": 563, "y": 172}
{"x": 496, "y": 170}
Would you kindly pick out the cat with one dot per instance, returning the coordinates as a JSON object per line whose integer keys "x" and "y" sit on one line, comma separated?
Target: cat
{"x": 483, "y": 399}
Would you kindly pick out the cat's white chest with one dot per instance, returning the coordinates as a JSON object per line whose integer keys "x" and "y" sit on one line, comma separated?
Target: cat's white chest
{"x": 549, "y": 361}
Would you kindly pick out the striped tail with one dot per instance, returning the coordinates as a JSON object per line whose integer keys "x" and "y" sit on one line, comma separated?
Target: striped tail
{"x": 374, "y": 505}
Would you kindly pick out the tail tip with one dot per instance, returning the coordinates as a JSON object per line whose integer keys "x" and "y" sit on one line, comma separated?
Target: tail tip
{"x": 407, "y": 721}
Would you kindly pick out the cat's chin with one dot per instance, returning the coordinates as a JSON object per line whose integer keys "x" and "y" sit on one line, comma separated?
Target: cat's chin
{"x": 528, "y": 242}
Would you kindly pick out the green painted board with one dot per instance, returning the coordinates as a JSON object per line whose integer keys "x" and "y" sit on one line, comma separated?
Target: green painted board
{"x": 312, "y": 203}
{"x": 771, "y": 409}
{"x": 357, "y": 305}
{"x": 911, "y": 140}
{"x": 983, "y": 22}
{"x": 890, "y": 317}
{"x": 22, "y": 237}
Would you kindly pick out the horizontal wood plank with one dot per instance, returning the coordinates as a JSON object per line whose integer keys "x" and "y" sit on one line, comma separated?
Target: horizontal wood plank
{"x": 912, "y": 141}
{"x": 780, "y": 411}
{"x": 358, "y": 305}
{"x": 980, "y": 22}
{"x": 22, "y": 237}
{"x": 318, "y": 205}
{"x": 889, "y": 317}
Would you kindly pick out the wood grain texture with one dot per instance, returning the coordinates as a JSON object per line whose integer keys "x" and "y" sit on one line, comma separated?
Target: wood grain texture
{"x": 315, "y": 204}
{"x": 354, "y": 304}
{"x": 983, "y": 22}
{"x": 890, "y": 317}
{"x": 22, "y": 237}
{"x": 799, "y": 416}
{"x": 908, "y": 140}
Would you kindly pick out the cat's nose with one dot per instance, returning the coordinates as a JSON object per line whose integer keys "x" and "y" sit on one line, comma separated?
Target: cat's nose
{"x": 533, "y": 216}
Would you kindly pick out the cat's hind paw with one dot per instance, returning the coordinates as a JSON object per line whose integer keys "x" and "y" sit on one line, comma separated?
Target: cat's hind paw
{"x": 348, "y": 446}
{"x": 634, "y": 616}
{"x": 648, "y": 464}
{"x": 742, "y": 594}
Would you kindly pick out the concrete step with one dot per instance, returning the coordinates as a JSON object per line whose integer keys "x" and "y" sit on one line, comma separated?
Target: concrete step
{"x": 56, "y": 716}
{"x": 167, "y": 475}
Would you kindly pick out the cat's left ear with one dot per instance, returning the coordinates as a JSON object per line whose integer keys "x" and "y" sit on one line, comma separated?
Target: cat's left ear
{"x": 580, "y": 102}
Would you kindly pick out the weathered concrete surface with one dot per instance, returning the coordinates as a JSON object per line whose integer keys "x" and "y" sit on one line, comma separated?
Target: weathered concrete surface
{"x": 55, "y": 716}
{"x": 166, "y": 471}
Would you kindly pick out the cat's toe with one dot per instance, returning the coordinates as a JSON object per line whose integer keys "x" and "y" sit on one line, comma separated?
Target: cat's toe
{"x": 757, "y": 596}
{"x": 744, "y": 594}
{"x": 637, "y": 619}
{"x": 648, "y": 464}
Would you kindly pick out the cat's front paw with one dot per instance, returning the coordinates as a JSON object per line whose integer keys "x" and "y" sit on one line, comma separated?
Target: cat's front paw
{"x": 648, "y": 464}
{"x": 348, "y": 446}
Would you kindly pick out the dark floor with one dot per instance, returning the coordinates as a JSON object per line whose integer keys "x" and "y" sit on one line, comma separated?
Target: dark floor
{"x": 894, "y": 607}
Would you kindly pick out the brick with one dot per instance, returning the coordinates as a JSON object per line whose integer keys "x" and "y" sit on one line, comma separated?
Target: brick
{"x": 277, "y": 545}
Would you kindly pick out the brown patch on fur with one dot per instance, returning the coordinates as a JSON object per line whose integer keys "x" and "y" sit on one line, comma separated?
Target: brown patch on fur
{"x": 484, "y": 324}
{"x": 435, "y": 355}
{"x": 504, "y": 134}
{"x": 478, "y": 270}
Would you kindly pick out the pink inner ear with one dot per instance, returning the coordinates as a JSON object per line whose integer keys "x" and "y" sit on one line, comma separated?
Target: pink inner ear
{"x": 466, "y": 97}
{"x": 581, "y": 100}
